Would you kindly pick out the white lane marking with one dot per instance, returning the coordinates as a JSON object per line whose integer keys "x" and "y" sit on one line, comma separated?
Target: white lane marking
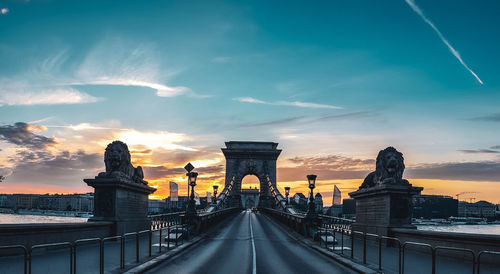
{"x": 254, "y": 256}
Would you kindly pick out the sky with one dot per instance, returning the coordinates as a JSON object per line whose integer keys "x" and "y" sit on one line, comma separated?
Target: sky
{"x": 333, "y": 82}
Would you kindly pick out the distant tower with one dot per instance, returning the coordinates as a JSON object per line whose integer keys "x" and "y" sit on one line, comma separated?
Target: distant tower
{"x": 337, "y": 196}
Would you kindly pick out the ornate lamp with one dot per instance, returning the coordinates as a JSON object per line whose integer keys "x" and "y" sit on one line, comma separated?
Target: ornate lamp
{"x": 215, "y": 193}
{"x": 191, "y": 210}
{"x": 311, "y": 212}
{"x": 311, "y": 178}
{"x": 287, "y": 192}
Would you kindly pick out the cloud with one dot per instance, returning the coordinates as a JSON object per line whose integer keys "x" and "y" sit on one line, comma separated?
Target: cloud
{"x": 284, "y": 103}
{"x": 328, "y": 167}
{"x": 111, "y": 62}
{"x": 4, "y": 11}
{"x": 495, "y": 147}
{"x": 495, "y": 117}
{"x": 115, "y": 62}
{"x": 335, "y": 167}
{"x": 62, "y": 169}
{"x": 21, "y": 134}
{"x": 468, "y": 171}
{"x": 455, "y": 53}
{"x": 479, "y": 151}
{"x": 153, "y": 140}
{"x": 45, "y": 96}
{"x": 221, "y": 59}
{"x": 159, "y": 172}
{"x": 312, "y": 119}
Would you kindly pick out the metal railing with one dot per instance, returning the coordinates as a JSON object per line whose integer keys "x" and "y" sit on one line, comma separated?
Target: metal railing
{"x": 171, "y": 223}
{"x": 120, "y": 239}
{"x": 333, "y": 225}
{"x": 164, "y": 220}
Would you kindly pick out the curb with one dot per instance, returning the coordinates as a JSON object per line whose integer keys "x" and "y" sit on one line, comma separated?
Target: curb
{"x": 343, "y": 261}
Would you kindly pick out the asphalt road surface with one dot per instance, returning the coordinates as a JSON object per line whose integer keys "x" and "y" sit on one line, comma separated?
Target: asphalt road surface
{"x": 250, "y": 243}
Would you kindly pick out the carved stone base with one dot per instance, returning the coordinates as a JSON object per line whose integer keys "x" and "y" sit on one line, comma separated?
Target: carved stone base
{"x": 386, "y": 206}
{"x": 121, "y": 201}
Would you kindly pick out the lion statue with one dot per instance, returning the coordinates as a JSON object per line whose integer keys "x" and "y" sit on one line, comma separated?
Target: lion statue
{"x": 118, "y": 164}
{"x": 389, "y": 169}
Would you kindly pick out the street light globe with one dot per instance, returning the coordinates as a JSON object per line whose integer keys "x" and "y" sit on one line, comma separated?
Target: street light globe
{"x": 287, "y": 190}
{"x": 192, "y": 178}
{"x": 312, "y": 180}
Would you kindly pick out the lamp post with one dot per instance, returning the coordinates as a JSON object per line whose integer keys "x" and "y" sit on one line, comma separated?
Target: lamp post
{"x": 215, "y": 194}
{"x": 191, "y": 210}
{"x": 311, "y": 212}
{"x": 287, "y": 192}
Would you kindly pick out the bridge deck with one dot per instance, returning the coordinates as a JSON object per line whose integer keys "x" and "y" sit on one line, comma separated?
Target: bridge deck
{"x": 232, "y": 249}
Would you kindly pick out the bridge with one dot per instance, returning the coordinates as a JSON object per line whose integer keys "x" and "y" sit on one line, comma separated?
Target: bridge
{"x": 231, "y": 236}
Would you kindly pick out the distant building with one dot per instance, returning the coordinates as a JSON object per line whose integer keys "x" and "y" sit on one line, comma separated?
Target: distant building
{"x": 349, "y": 208}
{"x": 299, "y": 201}
{"x": 434, "y": 206}
{"x": 157, "y": 206}
{"x": 337, "y": 196}
{"x": 334, "y": 210}
{"x": 318, "y": 202}
{"x": 55, "y": 202}
{"x": 482, "y": 209}
{"x": 179, "y": 205}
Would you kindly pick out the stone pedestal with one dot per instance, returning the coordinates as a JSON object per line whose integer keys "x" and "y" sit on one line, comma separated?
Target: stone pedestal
{"x": 122, "y": 201}
{"x": 384, "y": 206}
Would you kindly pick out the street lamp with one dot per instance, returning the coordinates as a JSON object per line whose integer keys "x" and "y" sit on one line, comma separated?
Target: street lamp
{"x": 311, "y": 212}
{"x": 192, "y": 182}
{"x": 215, "y": 193}
{"x": 287, "y": 192}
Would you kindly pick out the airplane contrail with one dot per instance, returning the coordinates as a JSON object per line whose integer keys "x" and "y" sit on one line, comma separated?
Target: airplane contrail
{"x": 455, "y": 53}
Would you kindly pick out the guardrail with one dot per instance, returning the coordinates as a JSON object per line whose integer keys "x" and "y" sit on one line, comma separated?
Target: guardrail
{"x": 331, "y": 226}
{"x": 165, "y": 228}
{"x": 164, "y": 220}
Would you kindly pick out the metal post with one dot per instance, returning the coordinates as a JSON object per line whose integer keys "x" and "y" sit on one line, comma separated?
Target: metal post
{"x": 168, "y": 237}
{"x": 74, "y": 259}
{"x": 334, "y": 239}
{"x": 399, "y": 257}
{"x": 352, "y": 244}
{"x": 101, "y": 255}
{"x": 433, "y": 261}
{"x": 25, "y": 261}
{"x": 71, "y": 259}
{"x": 364, "y": 247}
{"x": 137, "y": 247}
{"x": 473, "y": 263}
{"x": 122, "y": 252}
{"x": 29, "y": 261}
{"x": 160, "y": 242}
{"x": 342, "y": 232}
{"x": 150, "y": 236}
{"x": 379, "y": 253}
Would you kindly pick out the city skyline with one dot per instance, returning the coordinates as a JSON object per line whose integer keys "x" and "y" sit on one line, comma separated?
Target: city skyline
{"x": 332, "y": 83}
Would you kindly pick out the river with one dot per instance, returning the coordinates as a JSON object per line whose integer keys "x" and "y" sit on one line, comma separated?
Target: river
{"x": 30, "y": 219}
{"x": 474, "y": 229}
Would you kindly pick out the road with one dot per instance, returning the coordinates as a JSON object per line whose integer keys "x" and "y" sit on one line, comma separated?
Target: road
{"x": 250, "y": 243}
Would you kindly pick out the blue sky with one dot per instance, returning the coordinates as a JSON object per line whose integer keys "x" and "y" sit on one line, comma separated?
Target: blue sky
{"x": 325, "y": 78}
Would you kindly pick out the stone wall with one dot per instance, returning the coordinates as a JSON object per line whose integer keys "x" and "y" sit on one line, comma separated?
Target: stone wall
{"x": 34, "y": 234}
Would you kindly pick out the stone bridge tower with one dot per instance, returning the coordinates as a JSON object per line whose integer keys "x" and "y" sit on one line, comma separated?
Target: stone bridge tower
{"x": 251, "y": 158}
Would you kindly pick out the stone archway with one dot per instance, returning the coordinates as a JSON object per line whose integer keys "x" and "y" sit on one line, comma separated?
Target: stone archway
{"x": 251, "y": 158}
